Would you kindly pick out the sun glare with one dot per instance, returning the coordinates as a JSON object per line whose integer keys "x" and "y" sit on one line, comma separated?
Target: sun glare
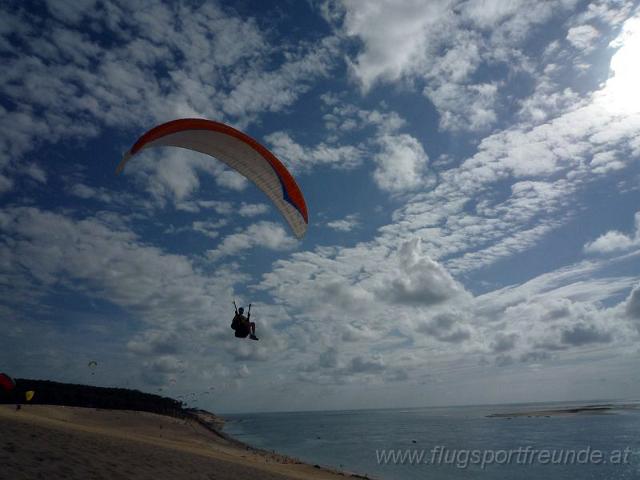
{"x": 621, "y": 93}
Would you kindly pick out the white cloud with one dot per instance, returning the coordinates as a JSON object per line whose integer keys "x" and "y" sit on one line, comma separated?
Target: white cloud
{"x": 606, "y": 13}
{"x": 262, "y": 235}
{"x": 401, "y": 163}
{"x": 300, "y": 158}
{"x": 6, "y": 184}
{"x": 632, "y": 307}
{"x": 504, "y": 342}
{"x": 394, "y": 35}
{"x": 344, "y": 118}
{"x": 400, "y": 159}
{"x": 464, "y": 107}
{"x": 450, "y": 327}
{"x": 243, "y": 371}
{"x": 174, "y": 176}
{"x": 584, "y": 334}
{"x": 230, "y": 179}
{"x": 209, "y": 229}
{"x": 252, "y": 209}
{"x": 101, "y": 194}
{"x": 548, "y": 99}
{"x": 220, "y": 207}
{"x": 344, "y": 295}
{"x": 362, "y": 365}
{"x": 610, "y": 242}
{"x": 36, "y": 172}
{"x": 547, "y": 325}
{"x": 70, "y": 11}
{"x": 156, "y": 342}
{"x": 489, "y": 14}
{"x": 619, "y": 96}
{"x": 604, "y": 162}
{"x": 614, "y": 241}
{"x": 418, "y": 280}
{"x": 583, "y": 37}
{"x": 347, "y": 224}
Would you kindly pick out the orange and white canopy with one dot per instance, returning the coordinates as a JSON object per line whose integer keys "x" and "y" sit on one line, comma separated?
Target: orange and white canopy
{"x": 240, "y": 152}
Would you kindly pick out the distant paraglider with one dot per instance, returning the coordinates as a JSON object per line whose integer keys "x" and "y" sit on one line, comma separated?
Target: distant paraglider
{"x": 240, "y": 152}
{"x": 92, "y": 366}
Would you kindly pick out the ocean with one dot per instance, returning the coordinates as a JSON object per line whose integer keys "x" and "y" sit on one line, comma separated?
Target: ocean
{"x": 454, "y": 442}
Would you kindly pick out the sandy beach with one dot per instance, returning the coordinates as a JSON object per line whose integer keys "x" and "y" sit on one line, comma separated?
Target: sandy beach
{"x": 52, "y": 442}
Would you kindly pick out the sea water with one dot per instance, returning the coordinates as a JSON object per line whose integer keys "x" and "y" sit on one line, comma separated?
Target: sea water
{"x": 453, "y": 443}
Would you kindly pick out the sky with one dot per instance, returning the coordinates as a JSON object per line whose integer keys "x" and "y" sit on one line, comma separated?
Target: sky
{"x": 471, "y": 170}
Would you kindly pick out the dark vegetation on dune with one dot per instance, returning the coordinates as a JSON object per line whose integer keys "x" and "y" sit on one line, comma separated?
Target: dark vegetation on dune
{"x": 48, "y": 392}
{"x": 74, "y": 395}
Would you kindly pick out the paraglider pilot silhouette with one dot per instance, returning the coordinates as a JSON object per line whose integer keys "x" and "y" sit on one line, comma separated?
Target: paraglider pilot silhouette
{"x": 242, "y": 325}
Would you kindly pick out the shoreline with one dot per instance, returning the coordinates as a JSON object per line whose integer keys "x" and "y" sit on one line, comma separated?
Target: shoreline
{"x": 70, "y": 441}
{"x": 216, "y": 426}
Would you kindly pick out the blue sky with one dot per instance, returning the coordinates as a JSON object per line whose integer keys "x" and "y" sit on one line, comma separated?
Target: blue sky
{"x": 471, "y": 172}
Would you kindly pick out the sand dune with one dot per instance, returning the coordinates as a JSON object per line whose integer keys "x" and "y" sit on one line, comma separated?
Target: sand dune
{"x": 50, "y": 442}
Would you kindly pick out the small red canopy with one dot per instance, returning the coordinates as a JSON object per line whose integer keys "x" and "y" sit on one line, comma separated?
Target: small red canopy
{"x": 6, "y": 382}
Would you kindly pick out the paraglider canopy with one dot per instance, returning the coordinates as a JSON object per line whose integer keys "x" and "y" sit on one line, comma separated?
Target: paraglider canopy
{"x": 240, "y": 152}
{"x": 6, "y": 382}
